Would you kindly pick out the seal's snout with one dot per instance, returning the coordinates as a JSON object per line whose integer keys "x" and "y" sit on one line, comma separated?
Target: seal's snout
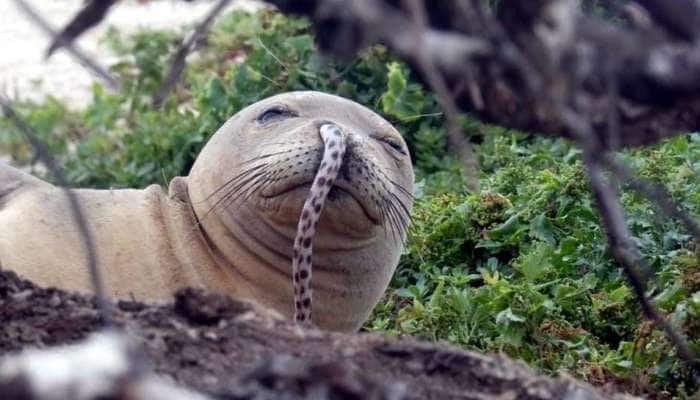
{"x": 329, "y": 129}
{"x": 321, "y": 122}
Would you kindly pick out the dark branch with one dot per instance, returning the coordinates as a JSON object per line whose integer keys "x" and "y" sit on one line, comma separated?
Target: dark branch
{"x": 178, "y": 63}
{"x": 90, "y": 15}
{"x": 626, "y": 253}
{"x": 76, "y": 210}
{"x": 658, "y": 76}
{"x": 83, "y": 59}
{"x": 679, "y": 17}
{"x": 657, "y": 193}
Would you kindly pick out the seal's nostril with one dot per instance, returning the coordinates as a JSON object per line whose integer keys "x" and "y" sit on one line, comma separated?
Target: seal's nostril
{"x": 322, "y": 122}
{"x": 330, "y": 129}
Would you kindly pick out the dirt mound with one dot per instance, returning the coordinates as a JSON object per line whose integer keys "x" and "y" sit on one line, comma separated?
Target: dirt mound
{"x": 234, "y": 350}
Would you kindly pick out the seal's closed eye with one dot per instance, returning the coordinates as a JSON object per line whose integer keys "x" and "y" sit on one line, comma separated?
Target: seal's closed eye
{"x": 273, "y": 113}
{"x": 394, "y": 144}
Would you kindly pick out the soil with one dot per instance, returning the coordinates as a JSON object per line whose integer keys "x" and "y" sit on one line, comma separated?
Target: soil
{"x": 235, "y": 350}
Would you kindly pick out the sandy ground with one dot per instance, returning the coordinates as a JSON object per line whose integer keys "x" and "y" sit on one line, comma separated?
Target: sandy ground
{"x": 22, "y": 63}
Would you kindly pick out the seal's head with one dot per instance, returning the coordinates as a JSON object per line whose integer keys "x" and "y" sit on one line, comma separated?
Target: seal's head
{"x": 250, "y": 182}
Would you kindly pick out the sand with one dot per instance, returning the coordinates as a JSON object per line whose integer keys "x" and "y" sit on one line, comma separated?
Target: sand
{"x": 25, "y": 73}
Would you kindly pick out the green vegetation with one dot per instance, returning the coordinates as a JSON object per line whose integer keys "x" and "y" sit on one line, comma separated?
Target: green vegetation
{"x": 521, "y": 267}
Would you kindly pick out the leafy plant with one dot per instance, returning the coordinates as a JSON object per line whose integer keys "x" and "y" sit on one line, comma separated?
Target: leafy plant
{"x": 523, "y": 267}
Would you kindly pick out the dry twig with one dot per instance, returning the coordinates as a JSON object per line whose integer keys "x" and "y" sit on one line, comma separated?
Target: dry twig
{"x": 457, "y": 141}
{"x": 77, "y": 214}
{"x": 626, "y": 253}
{"x": 92, "y": 14}
{"x": 178, "y": 63}
{"x": 76, "y": 53}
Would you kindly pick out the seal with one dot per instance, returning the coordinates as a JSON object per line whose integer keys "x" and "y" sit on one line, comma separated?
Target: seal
{"x": 230, "y": 226}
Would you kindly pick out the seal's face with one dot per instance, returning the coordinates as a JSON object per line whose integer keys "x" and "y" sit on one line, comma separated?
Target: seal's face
{"x": 376, "y": 167}
{"x": 255, "y": 174}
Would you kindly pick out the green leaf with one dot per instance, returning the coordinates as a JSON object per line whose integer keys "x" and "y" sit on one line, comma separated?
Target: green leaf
{"x": 215, "y": 94}
{"x": 536, "y": 262}
{"x": 402, "y": 100}
{"x": 506, "y": 317}
{"x": 542, "y": 229}
{"x": 505, "y": 229}
{"x": 619, "y": 295}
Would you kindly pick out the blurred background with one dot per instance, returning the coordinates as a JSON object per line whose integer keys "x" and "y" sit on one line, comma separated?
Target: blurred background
{"x": 25, "y": 72}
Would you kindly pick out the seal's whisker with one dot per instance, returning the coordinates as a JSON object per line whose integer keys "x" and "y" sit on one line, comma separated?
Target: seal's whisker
{"x": 225, "y": 185}
{"x": 222, "y": 187}
{"x": 406, "y": 212}
{"x": 245, "y": 184}
{"x": 248, "y": 171}
{"x": 384, "y": 175}
{"x": 391, "y": 220}
{"x": 241, "y": 188}
{"x": 396, "y": 184}
{"x": 263, "y": 156}
{"x": 384, "y": 217}
{"x": 282, "y": 143}
{"x": 401, "y": 188}
{"x": 239, "y": 182}
{"x": 400, "y": 219}
{"x": 244, "y": 194}
{"x": 269, "y": 180}
{"x": 232, "y": 180}
{"x": 209, "y": 212}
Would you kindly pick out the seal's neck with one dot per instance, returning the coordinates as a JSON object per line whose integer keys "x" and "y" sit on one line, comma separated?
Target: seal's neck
{"x": 252, "y": 252}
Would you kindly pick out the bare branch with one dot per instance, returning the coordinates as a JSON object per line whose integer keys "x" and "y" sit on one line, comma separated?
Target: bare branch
{"x": 92, "y": 14}
{"x": 178, "y": 63}
{"x": 626, "y": 253}
{"x": 76, "y": 210}
{"x": 658, "y": 77}
{"x": 364, "y": 22}
{"x": 654, "y": 192}
{"x": 455, "y": 134}
{"x": 620, "y": 242}
{"x": 680, "y": 17}
{"x": 76, "y": 53}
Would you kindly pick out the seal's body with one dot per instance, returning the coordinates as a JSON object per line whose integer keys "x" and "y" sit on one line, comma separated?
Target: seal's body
{"x": 143, "y": 247}
{"x": 230, "y": 225}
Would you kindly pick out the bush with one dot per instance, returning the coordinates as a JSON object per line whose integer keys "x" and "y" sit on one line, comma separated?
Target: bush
{"x": 521, "y": 267}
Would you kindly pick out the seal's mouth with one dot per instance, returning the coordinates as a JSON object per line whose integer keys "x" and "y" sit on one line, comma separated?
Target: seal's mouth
{"x": 339, "y": 193}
